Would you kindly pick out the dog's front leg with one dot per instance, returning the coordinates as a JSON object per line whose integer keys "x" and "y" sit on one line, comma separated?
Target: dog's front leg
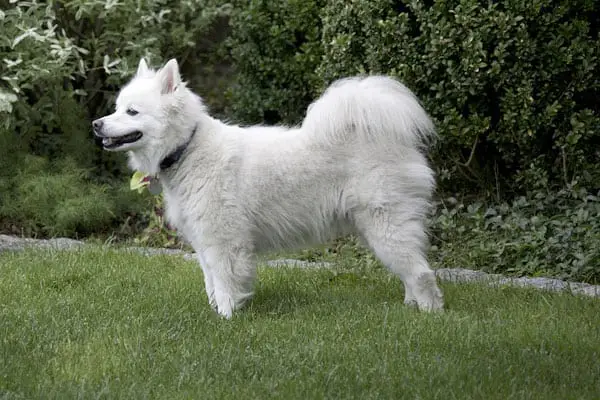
{"x": 233, "y": 272}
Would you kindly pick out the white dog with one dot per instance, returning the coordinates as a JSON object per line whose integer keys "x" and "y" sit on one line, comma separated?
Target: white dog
{"x": 355, "y": 165}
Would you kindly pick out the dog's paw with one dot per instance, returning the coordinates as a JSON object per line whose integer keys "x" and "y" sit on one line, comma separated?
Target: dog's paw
{"x": 433, "y": 301}
{"x": 212, "y": 302}
{"x": 411, "y": 303}
{"x": 225, "y": 313}
{"x": 224, "y": 305}
{"x": 427, "y": 293}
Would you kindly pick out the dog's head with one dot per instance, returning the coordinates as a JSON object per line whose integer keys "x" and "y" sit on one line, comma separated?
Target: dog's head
{"x": 143, "y": 108}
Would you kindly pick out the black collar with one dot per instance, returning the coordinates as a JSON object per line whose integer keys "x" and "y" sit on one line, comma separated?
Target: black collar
{"x": 172, "y": 158}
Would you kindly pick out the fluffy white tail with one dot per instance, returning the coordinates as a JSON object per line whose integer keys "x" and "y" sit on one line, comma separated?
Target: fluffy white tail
{"x": 374, "y": 109}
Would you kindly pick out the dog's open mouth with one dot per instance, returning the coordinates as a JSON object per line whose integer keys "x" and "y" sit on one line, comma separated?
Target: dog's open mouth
{"x": 114, "y": 142}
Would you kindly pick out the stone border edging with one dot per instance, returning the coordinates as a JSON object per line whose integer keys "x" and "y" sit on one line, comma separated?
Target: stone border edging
{"x": 456, "y": 275}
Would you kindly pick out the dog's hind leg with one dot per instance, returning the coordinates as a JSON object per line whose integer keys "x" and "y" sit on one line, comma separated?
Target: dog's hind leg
{"x": 208, "y": 281}
{"x": 400, "y": 247}
{"x": 233, "y": 273}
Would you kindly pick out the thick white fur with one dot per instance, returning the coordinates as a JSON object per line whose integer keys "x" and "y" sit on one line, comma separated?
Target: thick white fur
{"x": 355, "y": 165}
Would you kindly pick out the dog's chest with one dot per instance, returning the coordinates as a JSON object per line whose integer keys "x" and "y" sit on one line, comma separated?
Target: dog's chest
{"x": 175, "y": 214}
{"x": 185, "y": 215}
{"x": 172, "y": 215}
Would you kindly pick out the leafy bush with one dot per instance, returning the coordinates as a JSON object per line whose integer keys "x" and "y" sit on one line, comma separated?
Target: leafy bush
{"x": 512, "y": 85}
{"x": 157, "y": 232}
{"x": 275, "y": 47}
{"x": 551, "y": 234}
{"x": 59, "y": 199}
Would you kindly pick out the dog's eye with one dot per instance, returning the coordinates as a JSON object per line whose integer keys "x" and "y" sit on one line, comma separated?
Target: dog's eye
{"x": 131, "y": 111}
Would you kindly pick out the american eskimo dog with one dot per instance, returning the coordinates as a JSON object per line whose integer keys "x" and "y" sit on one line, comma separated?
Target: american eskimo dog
{"x": 356, "y": 165}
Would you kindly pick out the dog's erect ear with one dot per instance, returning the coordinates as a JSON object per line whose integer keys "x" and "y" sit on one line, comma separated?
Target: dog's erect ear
{"x": 169, "y": 76}
{"x": 142, "y": 68}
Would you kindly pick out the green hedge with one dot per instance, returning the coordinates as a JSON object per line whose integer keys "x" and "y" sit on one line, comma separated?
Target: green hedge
{"x": 513, "y": 85}
{"x": 275, "y": 48}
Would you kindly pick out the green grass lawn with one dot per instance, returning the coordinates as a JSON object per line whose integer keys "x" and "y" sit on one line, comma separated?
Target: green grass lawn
{"x": 101, "y": 324}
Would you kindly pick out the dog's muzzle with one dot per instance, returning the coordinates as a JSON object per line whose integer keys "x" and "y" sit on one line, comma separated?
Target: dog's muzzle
{"x": 111, "y": 143}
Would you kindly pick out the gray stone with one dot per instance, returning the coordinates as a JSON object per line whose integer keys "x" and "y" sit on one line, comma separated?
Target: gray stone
{"x": 456, "y": 275}
{"x": 8, "y": 243}
{"x": 290, "y": 262}
{"x": 459, "y": 275}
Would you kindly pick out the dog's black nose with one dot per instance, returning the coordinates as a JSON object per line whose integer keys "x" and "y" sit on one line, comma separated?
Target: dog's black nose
{"x": 97, "y": 124}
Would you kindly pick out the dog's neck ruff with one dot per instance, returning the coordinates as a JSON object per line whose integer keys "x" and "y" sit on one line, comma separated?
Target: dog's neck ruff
{"x": 175, "y": 156}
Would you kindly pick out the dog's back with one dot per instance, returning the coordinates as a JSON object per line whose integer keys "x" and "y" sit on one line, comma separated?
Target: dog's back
{"x": 359, "y": 150}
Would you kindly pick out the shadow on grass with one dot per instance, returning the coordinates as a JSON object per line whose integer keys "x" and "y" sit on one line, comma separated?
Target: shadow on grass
{"x": 301, "y": 292}
{"x": 274, "y": 301}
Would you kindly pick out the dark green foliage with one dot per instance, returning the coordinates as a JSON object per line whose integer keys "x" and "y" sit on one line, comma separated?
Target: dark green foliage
{"x": 275, "y": 48}
{"x": 513, "y": 85}
{"x": 157, "y": 232}
{"x": 59, "y": 199}
{"x": 551, "y": 234}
